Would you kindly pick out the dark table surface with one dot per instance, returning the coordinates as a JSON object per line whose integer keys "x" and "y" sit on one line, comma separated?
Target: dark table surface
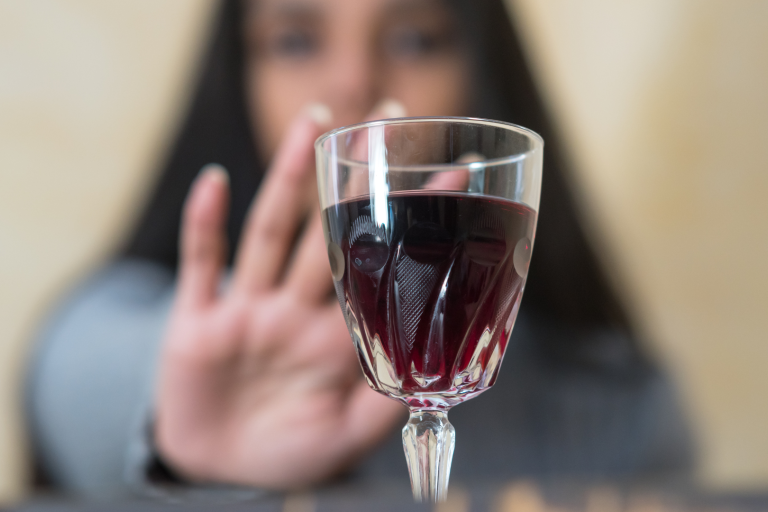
{"x": 463, "y": 497}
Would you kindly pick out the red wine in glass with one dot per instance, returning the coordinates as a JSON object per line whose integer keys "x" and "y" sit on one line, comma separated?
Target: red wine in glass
{"x": 430, "y": 296}
{"x": 429, "y": 224}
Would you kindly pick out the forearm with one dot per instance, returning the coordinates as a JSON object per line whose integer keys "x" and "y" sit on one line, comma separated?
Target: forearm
{"x": 90, "y": 381}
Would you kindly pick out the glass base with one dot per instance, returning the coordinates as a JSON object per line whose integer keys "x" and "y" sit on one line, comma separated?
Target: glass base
{"x": 429, "y": 439}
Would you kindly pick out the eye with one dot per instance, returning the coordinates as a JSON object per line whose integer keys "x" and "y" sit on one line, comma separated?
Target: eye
{"x": 412, "y": 43}
{"x": 295, "y": 43}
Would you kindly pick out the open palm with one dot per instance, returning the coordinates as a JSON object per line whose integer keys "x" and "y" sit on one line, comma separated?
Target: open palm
{"x": 259, "y": 383}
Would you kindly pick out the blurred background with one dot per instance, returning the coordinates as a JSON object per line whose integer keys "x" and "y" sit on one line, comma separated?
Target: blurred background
{"x": 662, "y": 104}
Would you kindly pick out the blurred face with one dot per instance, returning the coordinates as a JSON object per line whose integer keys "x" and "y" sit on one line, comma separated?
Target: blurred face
{"x": 350, "y": 55}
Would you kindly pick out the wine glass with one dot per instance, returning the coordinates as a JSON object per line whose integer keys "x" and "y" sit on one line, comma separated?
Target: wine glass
{"x": 429, "y": 225}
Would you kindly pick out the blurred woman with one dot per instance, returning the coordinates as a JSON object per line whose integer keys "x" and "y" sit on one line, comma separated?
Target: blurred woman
{"x": 222, "y": 356}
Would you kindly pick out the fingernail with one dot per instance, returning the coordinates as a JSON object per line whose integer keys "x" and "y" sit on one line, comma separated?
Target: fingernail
{"x": 319, "y": 113}
{"x": 215, "y": 172}
{"x": 390, "y": 108}
{"x": 470, "y": 157}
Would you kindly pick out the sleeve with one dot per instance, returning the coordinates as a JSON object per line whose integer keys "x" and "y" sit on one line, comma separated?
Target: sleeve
{"x": 90, "y": 380}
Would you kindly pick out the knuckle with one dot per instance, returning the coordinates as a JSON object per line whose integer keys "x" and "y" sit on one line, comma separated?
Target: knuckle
{"x": 201, "y": 241}
{"x": 293, "y": 176}
{"x": 270, "y": 327}
{"x": 184, "y": 348}
{"x": 204, "y": 249}
{"x": 273, "y": 321}
{"x": 268, "y": 231}
{"x": 290, "y": 174}
{"x": 195, "y": 215}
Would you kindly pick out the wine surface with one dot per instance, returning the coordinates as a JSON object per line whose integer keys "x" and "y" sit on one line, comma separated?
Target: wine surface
{"x": 431, "y": 292}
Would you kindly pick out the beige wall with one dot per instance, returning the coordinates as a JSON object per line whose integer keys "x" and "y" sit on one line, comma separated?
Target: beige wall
{"x": 663, "y": 102}
{"x": 88, "y": 90}
{"x": 665, "y": 105}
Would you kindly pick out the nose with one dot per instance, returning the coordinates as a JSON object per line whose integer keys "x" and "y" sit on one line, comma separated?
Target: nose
{"x": 353, "y": 84}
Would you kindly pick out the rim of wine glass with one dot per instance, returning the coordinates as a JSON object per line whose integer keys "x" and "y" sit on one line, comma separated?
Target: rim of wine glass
{"x": 420, "y": 119}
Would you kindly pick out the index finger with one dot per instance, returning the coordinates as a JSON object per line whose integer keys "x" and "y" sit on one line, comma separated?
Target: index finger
{"x": 279, "y": 206}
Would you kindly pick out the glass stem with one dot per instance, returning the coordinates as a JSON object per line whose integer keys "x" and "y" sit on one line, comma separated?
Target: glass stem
{"x": 428, "y": 439}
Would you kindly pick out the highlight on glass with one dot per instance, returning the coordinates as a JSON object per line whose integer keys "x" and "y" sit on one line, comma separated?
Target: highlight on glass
{"x": 429, "y": 225}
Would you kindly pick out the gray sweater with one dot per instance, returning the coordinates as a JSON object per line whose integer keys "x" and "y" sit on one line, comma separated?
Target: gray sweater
{"x": 598, "y": 413}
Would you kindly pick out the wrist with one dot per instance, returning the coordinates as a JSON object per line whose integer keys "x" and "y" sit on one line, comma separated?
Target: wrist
{"x": 180, "y": 457}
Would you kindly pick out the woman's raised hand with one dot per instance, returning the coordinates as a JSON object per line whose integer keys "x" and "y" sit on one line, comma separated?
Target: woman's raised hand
{"x": 259, "y": 383}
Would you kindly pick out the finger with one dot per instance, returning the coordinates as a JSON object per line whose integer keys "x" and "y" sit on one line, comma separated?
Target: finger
{"x": 358, "y": 183}
{"x": 371, "y": 417}
{"x": 203, "y": 241}
{"x": 279, "y": 206}
{"x": 455, "y": 179}
{"x": 470, "y": 157}
{"x": 386, "y": 109}
{"x": 309, "y": 277}
{"x": 458, "y": 177}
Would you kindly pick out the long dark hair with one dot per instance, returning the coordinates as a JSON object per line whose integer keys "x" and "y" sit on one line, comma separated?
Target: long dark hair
{"x": 566, "y": 281}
